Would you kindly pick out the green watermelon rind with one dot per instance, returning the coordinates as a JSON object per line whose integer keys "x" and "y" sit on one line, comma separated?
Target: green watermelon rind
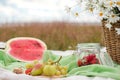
{"x": 8, "y": 48}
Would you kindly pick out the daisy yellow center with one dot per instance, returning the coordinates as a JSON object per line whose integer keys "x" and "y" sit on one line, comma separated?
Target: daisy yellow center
{"x": 111, "y": 3}
{"x": 113, "y": 16}
{"x": 91, "y": 9}
{"x": 76, "y": 14}
{"x": 118, "y": 3}
{"x": 101, "y": 14}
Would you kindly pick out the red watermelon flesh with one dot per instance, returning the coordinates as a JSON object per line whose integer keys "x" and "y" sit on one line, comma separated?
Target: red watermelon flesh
{"x": 26, "y": 49}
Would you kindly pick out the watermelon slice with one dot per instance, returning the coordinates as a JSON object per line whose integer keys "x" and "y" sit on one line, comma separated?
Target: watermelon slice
{"x": 25, "y": 48}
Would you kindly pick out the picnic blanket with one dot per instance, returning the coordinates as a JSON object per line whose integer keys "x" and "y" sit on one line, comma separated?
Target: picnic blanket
{"x": 90, "y": 72}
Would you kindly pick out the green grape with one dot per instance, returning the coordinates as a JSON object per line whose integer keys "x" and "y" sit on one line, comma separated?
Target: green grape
{"x": 29, "y": 65}
{"x": 35, "y": 62}
{"x": 65, "y": 68}
{"x": 63, "y": 72}
{"x": 49, "y": 63}
{"x": 62, "y": 69}
{"x": 58, "y": 73}
{"x": 49, "y": 70}
{"x": 59, "y": 67}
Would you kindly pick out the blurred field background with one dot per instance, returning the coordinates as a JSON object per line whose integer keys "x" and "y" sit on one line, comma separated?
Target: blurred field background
{"x": 57, "y": 35}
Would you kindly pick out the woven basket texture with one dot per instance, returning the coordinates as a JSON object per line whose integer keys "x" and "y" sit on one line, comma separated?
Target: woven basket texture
{"x": 112, "y": 41}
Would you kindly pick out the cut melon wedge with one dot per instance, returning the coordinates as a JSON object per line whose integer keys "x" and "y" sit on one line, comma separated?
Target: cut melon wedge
{"x": 25, "y": 48}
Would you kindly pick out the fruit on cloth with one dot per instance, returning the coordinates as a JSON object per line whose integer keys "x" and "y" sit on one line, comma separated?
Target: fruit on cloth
{"x": 25, "y": 48}
{"x": 18, "y": 70}
{"x": 87, "y": 60}
{"x": 61, "y": 70}
{"x": 90, "y": 59}
{"x": 29, "y": 65}
{"x": 80, "y": 63}
{"x": 37, "y": 70}
{"x": 49, "y": 70}
{"x": 28, "y": 71}
{"x": 58, "y": 73}
{"x": 53, "y": 68}
{"x": 32, "y": 66}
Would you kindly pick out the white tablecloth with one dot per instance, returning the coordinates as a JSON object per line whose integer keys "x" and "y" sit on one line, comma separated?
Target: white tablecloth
{"x": 8, "y": 75}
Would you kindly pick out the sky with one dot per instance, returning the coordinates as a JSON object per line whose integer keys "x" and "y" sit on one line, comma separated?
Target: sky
{"x": 39, "y": 10}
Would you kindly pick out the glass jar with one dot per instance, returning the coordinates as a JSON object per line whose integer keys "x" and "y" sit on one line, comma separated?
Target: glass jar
{"x": 106, "y": 58}
{"x": 85, "y": 49}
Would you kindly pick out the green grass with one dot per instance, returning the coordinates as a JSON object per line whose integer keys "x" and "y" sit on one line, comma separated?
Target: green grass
{"x": 57, "y": 35}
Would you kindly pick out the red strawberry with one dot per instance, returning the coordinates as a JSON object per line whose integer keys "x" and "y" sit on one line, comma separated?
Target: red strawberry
{"x": 92, "y": 55}
{"x": 79, "y": 62}
{"x": 97, "y": 61}
{"x": 89, "y": 57}
{"x": 86, "y": 63}
{"x": 94, "y": 61}
{"x": 28, "y": 71}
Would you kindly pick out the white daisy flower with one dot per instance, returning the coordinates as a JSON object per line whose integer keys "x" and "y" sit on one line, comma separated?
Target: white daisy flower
{"x": 75, "y": 14}
{"x": 108, "y": 25}
{"x": 113, "y": 18}
{"x": 90, "y": 7}
{"x": 102, "y": 14}
{"x": 67, "y": 9}
{"x": 118, "y": 30}
{"x": 109, "y": 4}
{"x": 101, "y": 5}
{"x": 117, "y": 3}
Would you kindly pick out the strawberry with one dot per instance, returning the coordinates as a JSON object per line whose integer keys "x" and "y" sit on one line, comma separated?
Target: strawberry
{"x": 79, "y": 62}
{"x": 28, "y": 71}
{"x": 86, "y": 63}
{"x": 92, "y": 55}
{"x": 89, "y": 57}
{"x": 94, "y": 61}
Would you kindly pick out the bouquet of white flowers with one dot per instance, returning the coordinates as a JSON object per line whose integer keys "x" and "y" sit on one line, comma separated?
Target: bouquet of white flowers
{"x": 108, "y": 10}
{"x": 109, "y": 13}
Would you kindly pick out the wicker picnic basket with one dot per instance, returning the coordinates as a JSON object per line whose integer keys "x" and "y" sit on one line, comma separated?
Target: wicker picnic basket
{"x": 112, "y": 41}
